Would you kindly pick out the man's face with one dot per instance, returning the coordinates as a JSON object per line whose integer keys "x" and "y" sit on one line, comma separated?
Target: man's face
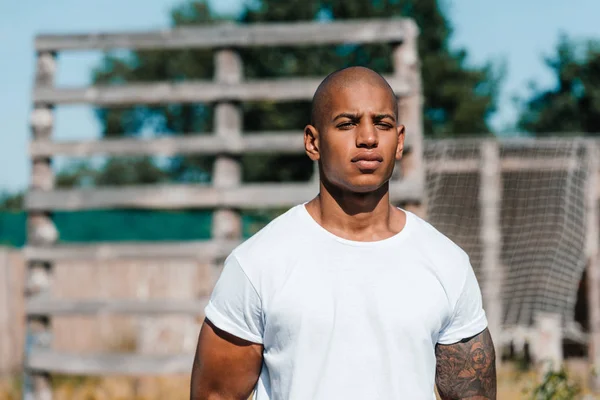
{"x": 359, "y": 138}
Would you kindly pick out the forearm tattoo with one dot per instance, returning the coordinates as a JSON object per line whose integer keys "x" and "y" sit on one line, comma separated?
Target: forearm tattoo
{"x": 467, "y": 370}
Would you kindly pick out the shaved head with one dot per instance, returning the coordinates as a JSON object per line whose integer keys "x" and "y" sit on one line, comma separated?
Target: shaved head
{"x": 342, "y": 79}
{"x": 354, "y": 132}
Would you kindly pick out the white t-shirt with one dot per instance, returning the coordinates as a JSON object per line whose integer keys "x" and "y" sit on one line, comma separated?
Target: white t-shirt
{"x": 342, "y": 319}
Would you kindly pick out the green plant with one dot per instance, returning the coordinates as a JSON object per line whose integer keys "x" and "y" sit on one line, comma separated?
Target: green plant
{"x": 556, "y": 385}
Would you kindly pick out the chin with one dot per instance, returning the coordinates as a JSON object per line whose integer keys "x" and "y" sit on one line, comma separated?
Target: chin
{"x": 357, "y": 183}
{"x": 365, "y": 184}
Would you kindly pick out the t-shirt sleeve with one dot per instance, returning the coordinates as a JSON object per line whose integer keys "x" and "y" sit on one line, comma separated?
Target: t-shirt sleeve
{"x": 468, "y": 318}
{"x": 235, "y": 305}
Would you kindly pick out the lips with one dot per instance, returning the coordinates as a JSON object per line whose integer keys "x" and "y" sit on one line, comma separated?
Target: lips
{"x": 367, "y": 157}
{"x": 367, "y": 161}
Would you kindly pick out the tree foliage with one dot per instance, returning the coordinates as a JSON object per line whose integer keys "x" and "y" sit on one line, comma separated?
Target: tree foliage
{"x": 572, "y": 105}
{"x": 458, "y": 98}
{"x": 11, "y": 201}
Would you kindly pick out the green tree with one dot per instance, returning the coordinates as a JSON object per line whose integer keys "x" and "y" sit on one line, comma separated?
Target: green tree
{"x": 115, "y": 172}
{"x": 458, "y": 98}
{"x": 572, "y": 105}
{"x": 11, "y": 201}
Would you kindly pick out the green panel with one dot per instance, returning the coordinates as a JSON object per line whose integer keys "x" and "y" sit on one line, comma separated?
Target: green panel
{"x": 12, "y": 228}
{"x": 127, "y": 225}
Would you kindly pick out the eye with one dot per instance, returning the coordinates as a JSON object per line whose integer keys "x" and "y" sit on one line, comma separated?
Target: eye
{"x": 384, "y": 125}
{"x": 346, "y": 125}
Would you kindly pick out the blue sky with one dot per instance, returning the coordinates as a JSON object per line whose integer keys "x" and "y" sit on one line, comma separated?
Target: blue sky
{"x": 517, "y": 32}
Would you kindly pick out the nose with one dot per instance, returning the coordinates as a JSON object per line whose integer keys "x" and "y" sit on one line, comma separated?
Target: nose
{"x": 366, "y": 136}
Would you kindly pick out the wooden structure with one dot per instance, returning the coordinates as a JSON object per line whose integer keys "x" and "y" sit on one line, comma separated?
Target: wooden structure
{"x": 227, "y": 196}
{"x": 11, "y": 311}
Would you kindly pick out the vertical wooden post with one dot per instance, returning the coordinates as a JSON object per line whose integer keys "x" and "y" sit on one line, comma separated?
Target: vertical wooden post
{"x": 40, "y": 232}
{"x": 410, "y": 110}
{"x": 593, "y": 263}
{"x": 227, "y": 172}
{"x": 7, "y": 359}
{"x": 490, "y": 197}
{"x": 547, "y": 344}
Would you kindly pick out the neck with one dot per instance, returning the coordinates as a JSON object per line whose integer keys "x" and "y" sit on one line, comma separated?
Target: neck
{"x": 354, "y": 215}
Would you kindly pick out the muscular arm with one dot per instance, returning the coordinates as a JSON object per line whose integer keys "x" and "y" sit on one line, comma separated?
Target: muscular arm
{"x": 467, "y": 370}
{"x": 225, "y": 367}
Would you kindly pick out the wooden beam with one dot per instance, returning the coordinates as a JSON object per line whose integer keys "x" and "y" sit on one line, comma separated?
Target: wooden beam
{"x": 197, "y": 250}
{"x": 171, "y": 197}
{"x": 490, "y": 197}
{"x": 458, "y": 166}
{"x": 41, "y": 231}
{"x": 283, "y": 142}
{"x": 592, "y": 253}
{"x": 554, "y": 141}
{"x": 45, "y": 307}
{"x": 546, "y": 349}
{"x": 227, "y": 170}
{"x": 232, "y": 35}
{"x": 191, "y": 92}
{"x": 410, "y": 111}
{"x": 518, "y": 335}
{"x": 108, "y": 364}
{"x": 508, "y": 164}
{"x": 193, "y": 196}
{"x": 516, "y": 164}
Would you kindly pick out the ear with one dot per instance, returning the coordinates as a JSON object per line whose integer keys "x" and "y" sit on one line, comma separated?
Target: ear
{"x": 311, "y": 142}
{"x": 400, "y": 147}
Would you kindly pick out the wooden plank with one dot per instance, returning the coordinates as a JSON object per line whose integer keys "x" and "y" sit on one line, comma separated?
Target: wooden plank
{"x": 45, "y": 307}
{"x": 547, "y": 349}
{"x": 11, "y": 296}
{"x": 284, "y": 142}
{"x": 193, "y": 196}
{"x": 410, "y": 110}
{"x": 41, "y": 230}
{"x": 108, "y": 364}
{"x": 519, "y": 335}
{"x": 232, "y": 35}
{"x": 45, "y": 69}
{"x": 191, "y": 92}
{"x": 516, "y": 164}
{"x": 458, "y": 166}
{"x": 508, "y": 164}
{"x": 490, "y": 197}
{"x": 592, "y": 253}
{"x": 227, "y": 170}
{"x": 171, "y": 197}
{"x": 205, "y": 250}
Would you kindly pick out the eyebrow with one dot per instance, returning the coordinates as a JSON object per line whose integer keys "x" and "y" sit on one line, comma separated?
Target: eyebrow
{"x": 346, "y": 115}
{"x": 377, "y": 117}
{"x": 382, "y": 116}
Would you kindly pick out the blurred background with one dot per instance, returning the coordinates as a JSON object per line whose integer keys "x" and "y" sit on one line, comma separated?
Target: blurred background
{"x": 523, "y": 73}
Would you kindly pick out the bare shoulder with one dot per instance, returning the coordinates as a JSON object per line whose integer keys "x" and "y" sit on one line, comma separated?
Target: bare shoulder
{"x": 467, "y": 369}
{"x": 225, "y": 366}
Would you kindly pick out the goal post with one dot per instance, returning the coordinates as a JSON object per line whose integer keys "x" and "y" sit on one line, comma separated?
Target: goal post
{"x": 522, "y": 209}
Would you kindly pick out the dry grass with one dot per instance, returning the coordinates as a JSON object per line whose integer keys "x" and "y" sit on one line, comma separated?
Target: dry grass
{"x": 111, "y": 388}
{"x": 516, "y": 384}
{"x": 512, "y": 385}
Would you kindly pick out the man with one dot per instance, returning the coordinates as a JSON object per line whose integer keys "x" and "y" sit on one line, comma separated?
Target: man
{"x": 346, "y": 296}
